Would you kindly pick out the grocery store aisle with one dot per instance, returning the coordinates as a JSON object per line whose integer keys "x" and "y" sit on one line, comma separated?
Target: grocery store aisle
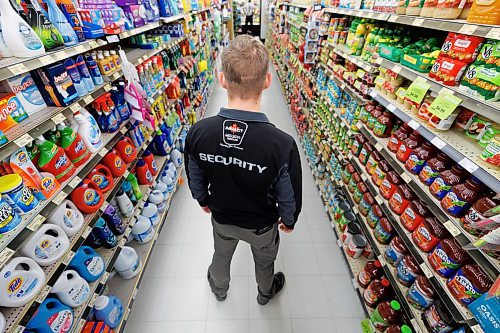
{"x": 318, "y": 296}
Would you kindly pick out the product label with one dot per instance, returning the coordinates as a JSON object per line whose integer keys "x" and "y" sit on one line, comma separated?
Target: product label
{"x": 61, "y": 322}
{"x": 9, "y": 218}
{"x": 382, "y": 235}
{"x": 442, "y": 263}
{"x": 439, "y": 188}
{"x": 100, "y": 180}
{"x": 79, "y": 294}
{"x": 404, "y": 274}
{"x": 20, "y": 286}
{"x": 91, "y": 197}
{"x": 454, "y": 204}
{"x": 428, "y": 175}
{"x": 47, "y": 248}
{"x": 379, "y": 129}
{"x": 372, "y": 219}
{"x": 463, "y": 289}
{"x": 397, "y": 203}
{"x": 387, "y": 189}
{"x": 414, "y": 164}
{"x": 378, "y": 321}
{"x": 95, "y": 266}
{"x": 416, "y": 298}
{"x": 393, "y": 144}
{"x": 435, "y": 322}
{"x": 22, "y": 198}
{"x": 392, "y": 256}
{"x": 69, "y": 217}
{"x": 410, "y": 219}
{"x": 424, "y": 239}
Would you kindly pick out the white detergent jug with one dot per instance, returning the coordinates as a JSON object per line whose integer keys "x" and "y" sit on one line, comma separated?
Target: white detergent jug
{"x": 162, "y": 187}
{"x": 68, "y": 217}
{"x": 150, "y": 211}
{"x": 126, "y": 206}
{"x": 176, "y": 157}
{"x": 169, "y": 181}
{"x": 157, "y": 198}
{"x": 143, "y": 231}
{"x": 88, "y": 131}
{"x": 20, "y": 281}
{"x": 71, "y": 289}
{"x": 128, "y": 264}
{"x": 171, "y": 167}
{"x": 47, "y": 245}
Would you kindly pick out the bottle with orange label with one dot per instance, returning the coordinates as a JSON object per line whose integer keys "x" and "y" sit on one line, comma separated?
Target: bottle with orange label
{"x": 401, "y": 199}
{"x": 408, "y": 145}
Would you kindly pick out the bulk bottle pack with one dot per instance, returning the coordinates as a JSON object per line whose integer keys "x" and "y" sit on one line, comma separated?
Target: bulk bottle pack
{"x": 416, "y": 220}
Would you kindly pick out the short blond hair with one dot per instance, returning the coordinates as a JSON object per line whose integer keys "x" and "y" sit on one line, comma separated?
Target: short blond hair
{"x": 245, "y": 64}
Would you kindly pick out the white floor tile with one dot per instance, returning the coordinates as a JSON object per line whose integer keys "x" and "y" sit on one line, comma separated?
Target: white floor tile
{"x": 308, "y": 297}
{"x": 193, "y": 260}
{"x": 236, "y": 304}
{"x": 343, "y": 299}
{"x": 149, "y": 304}
{"x": 348, "y": 325}
{"x": 277, "y": 308}
{"x": 166, "y": 326}
{"x": 318, "y": 325}
{"x": 164, "y": 260}
{"x": 300, "y": 259}
{"x": 330, "y": 259}
{"x": 226, "y": 326}
{"x": 271, "y": 326}
{"x": 300, "y": 234}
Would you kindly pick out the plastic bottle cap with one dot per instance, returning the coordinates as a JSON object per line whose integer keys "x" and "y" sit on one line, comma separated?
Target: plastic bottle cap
{"x": 395, "y": 305}
{"x": 385, "y": 282}
{"x": 377, "y": 264}
{"x": 405, "y": 329}
{"x": 101, "y": 302}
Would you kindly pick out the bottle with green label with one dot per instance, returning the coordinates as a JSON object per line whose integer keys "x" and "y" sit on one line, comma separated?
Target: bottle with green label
{"x": 37, "y": 19}
{"x": 387, "y": 313}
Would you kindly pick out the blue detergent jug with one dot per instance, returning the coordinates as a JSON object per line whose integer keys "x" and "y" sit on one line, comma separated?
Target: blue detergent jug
{"x": 51, "y": 317}
{"x": 160, "y": 144}
{"x": 109, "y": 310}
{"x": 88, "y": 263}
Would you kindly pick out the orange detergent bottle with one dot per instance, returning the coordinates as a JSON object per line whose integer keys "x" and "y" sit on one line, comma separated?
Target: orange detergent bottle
{"x": 485, "y": 12}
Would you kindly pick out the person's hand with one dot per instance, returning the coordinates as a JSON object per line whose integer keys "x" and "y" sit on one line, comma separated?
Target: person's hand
{"x": 284, "y": 228}
{"x": 206, "y": 209}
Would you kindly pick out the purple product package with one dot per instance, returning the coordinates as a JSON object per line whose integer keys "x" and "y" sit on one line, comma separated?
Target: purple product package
{"x": 133, "y": 14}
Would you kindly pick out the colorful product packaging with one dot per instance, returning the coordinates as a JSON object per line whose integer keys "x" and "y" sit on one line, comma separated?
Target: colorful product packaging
{"x": 55, "y": 85}
{"x": 26, "y": 91}
{"x": 12, "y": 112}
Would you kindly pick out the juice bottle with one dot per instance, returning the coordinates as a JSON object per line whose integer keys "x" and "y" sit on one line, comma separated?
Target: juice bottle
{"x": 372, "y": 270}
{"x": 386, "y": 313}
{"x": 446, "y": 180}
{"x": 377, "y": 291}
{"x": 460, "y": 198}
{"x": 433, "y": 167}
{"x": 408, "y": 145}
{"x": 419, "y": 156}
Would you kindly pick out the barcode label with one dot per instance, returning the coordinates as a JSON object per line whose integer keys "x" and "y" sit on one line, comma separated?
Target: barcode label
{"x": 107, "y": 87}
{"x": 5, "y": 255}
{"x": 355, "y": 210}
{"x": 123, "y": 130}
{"x": 80, "y": 48}
{"x": 103, "y": 206}
{"x": 494, "y": 33}
{"x": 68, "y": 258}
{"x": 468, "y": 165}
{"x": 378, "y": 146}
{"x": 452, "y": 228}
{"x": 43, "y": 294}
{"x": 88, "y": 99}
{"x": 75, "y": 107}
{"x": 80, "y": 326}
{"x": 59, "y": 198}
{"x": 379, "y": 199}
{"x": 58, "y": 118}
{"x": 467, "y": 29}
{"x": 93, "y": 44}
{"x": 103, "y": 151}
{"x": 105, "y": 277}
{"x": 18, "y": 69}
{"x": 23, "y": 140}
{"x": 476, "y": 329}
{"x": 74, "y": 182}
{"x": 426, "y": 270}
{"x": 36, "y": 222}
{"x": 122, "y": 242}
{"x": 396, "y": 69}
{"x": 93, "y": 299}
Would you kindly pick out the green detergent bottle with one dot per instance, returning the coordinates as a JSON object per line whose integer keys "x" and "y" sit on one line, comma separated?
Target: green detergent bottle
{"x": 37, "y": 19}
{"x": 135, "y": 186}
{"x": 73, "y": 145}
{"x": 53, "y": 136}
{"x": 53, "y": 159}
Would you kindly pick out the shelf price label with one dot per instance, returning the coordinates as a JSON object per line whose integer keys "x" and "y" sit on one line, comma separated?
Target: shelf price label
{"x": 468, "y": 29}
{"x": 58, "y": 118}
{"x": 444, "y": 105}
{"x": 88, "y": 99}
{"x": 59, "y": 198}
{"x": 417, "y": 90}
{"x": 81, "y": 323}
{"x": 18, "y": 69}
{"x": 43, "y": 294}
{"x": 406, "y": 178}
{"x": 47, "y": 60}
{"x": 426, "y": 270}
{"x": 5, "y": 255}
{"x": 391, "y": 107}
{"x": 75, "y": 181}
{"x": 36, "y": 222}
{"x": 413, "y": 124}
{"x": 468, "y": 165}
{"x": 440, "y": 144}
{"x": 23, "y": 140}
{"x": 418, "y": 22}
{"x": 93, "y": 44}
{"x": 452, "y": 228}
{"x": 68, "y": 258}
{"x": 75, "y": 107}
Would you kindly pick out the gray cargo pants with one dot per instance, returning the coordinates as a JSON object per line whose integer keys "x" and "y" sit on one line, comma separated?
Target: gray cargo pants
{"x": 264, "y": 249}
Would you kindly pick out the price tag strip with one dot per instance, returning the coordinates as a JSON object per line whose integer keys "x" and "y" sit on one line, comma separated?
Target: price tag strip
{"x": 23, "y": 140}
{"x": 47, "y": 60}
{"x": 58, "y": 118}
{"x": 426, "y": 270}
{"x": 68, "y": 258}
{"x": 86, "y": 233}
{"x": 5, "y": 255}
{"x": 18, "y": 69}
{"x": 406, "y": 178}
{"x": 413, "y": 124}
{"x": 36, "y": 222}
{"x": 440, "y": 144}
{"x": 452, "y": 228}
{"x": 382, "y": 260}
{"x": 75, "y": 107}
{"x": 74, "y": 182}
{"x": 468, "y": 165}
{"x": 43, "y": 294}
{"x": 88, "y": 99}
{"x": 80, "y": 48}
{"x": 59, "y": 198}
{"x": 103, "y": 151}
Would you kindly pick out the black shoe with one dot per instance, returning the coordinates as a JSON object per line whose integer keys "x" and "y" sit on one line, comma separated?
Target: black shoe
{"x": 278, "y": 284}
{"x": 220, "y": 298}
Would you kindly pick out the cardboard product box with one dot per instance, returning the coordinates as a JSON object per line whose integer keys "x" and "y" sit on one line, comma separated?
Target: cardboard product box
{"x": 133, "y": 14}
{"x": 55, "y": 85}
{"x": 26, "y": 91}
{"x": 11, "y": 111}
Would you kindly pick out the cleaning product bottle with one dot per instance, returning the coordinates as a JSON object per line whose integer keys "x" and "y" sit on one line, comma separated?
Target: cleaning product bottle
{"x": 73, "y": 72}
{"x": 116, "y": 59}
{"x": 53, "y": 135}
{"x": 128, "y": 264}
{"x": 168, "y": 179}
{"x": 127, "y": 188}
{"x": 20, "y": 281}
{"x": 87, "y": 197}
{"x": 114, "y": 221}
{"x": 51, "y": 317}
{"x": 89, "y": 132}
{"x": 16, "y": 194}
{"x": 102, "y": 177}
{"x": 47, "y": 245}
{"x": 110, "y": 60}
{"x": 69, "y": 10}
{"x": 84, "y": 73}
{"x": 9, "y": 218}
{"x": 37, "y": 19}
{"x": 143, "y": 174}
{"x": 126, "y": 150}
{"x": 61, "y": 23}
{"x": 160, "y": 144}
{"x": 53, "y": 159}
{"x": 149, "y": 158}
{"x": 93, "y": 67}
{"x": 88, "y": 263}
{"x": 135, "y": 186}
{"x": 162, "y": 187}
{"x": 109, "y": 310}
{"x": 68, "y": 217}
{"x": 114, "y": 163}
{"x": 157, "y": 198}
{"x": 73, "y": 145}
{"x": 104, "y": 65}
{"x": 19, "y": 37}
{"x": 71, "y": 289}
{"x": 143, "y": 231}
{"x": 124, "y": 203}
{"x": 101, "y": 230}
{"x": 150, "y": 211}
{"x": 21, "y": 164}
{"x": 176, "y": 157}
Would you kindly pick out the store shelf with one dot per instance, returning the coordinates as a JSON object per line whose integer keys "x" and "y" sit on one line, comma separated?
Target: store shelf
{"x": 487, "y": 109}
{"x": 460, "y": 26}
{"x": 150, "y": 26}
{"x": 343, "y": 86}
{"x": 454, "y": 144}
{"x": 10, "y": 67}
{"x": 343, "y": 51}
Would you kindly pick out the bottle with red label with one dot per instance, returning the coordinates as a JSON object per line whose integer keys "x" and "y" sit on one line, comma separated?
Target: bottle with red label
{"x": 390, "y": 184}
{"x": 398, "y": 137}
{"x": 447, "y": 257}
{"x": 372, "y": 270}
{"x": 469, "y": 283}
{"x": 380, "y": 172}
{"x": 73, "y": 145}
{"x": 414, "y": 214}
{"x": 102, "y": 177}
{"x": 150, "y": 160}
{"x": 377, "y": 291}
{"x": 433, "y": 167}
{"x": 401, "y": 199}
{"x": 408, "y": 145}
{"x": 143, "y": 173}
{"x": 480, "y": 210}
{"x": 446, "y": 180}
{"x": 429, "y": 233}
{"x": 115, "y": 163}
{"x": 460, "y": 198}
{"x": 419, "y": 157}
{"x": 54, "y": 160}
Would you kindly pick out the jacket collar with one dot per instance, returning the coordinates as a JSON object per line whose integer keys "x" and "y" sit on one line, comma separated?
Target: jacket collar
{"x": 258, "y": 117}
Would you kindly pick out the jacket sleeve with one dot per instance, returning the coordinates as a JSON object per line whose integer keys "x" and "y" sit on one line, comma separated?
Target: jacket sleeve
{"x": 197, "y": 180}
{"x": 289, "y": 189}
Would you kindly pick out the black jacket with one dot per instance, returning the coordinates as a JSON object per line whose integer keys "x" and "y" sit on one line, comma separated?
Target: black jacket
{"x": 244, "y": 169}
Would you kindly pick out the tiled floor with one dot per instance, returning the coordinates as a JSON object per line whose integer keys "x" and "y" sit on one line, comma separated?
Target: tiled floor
{"x": 318, "y": 297}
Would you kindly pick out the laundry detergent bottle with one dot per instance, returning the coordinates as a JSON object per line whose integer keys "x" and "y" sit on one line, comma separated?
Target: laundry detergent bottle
{"x": 115, "y": 163}
{"x": 71, "y": 289}
{"x": 68, "y": 217}
{"x": 73, "y": 145}
{"x": 89, "y": 131}
{"x": 143, "y": 231}
{"x": 143, "y": 173}
{"x": 124, "y": 203}
{"x": 128, "y": 264}
{"x": 88, "y": 197}
{"x": 149, "y": 158}
{"x": 47, "y": 245}
{"x": 132, "y": 179}
{"x": 20, "y": 281}
{"x": 49, "y": 35}
{"x": 58, "y": 19}
{"x": 88, "y": 263}
{"x": 20, "y": 39}
{"x": 150, "y": 211}
{"x": 54, "y": 160}
{"x": 102, "y": 177}
{"x": 126, "y": 150}
{"x": 52, "y": 316}
{"x": 114, "y": 221}
{"x": 109, "y": 310}
{"x": 102, "y": 231}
